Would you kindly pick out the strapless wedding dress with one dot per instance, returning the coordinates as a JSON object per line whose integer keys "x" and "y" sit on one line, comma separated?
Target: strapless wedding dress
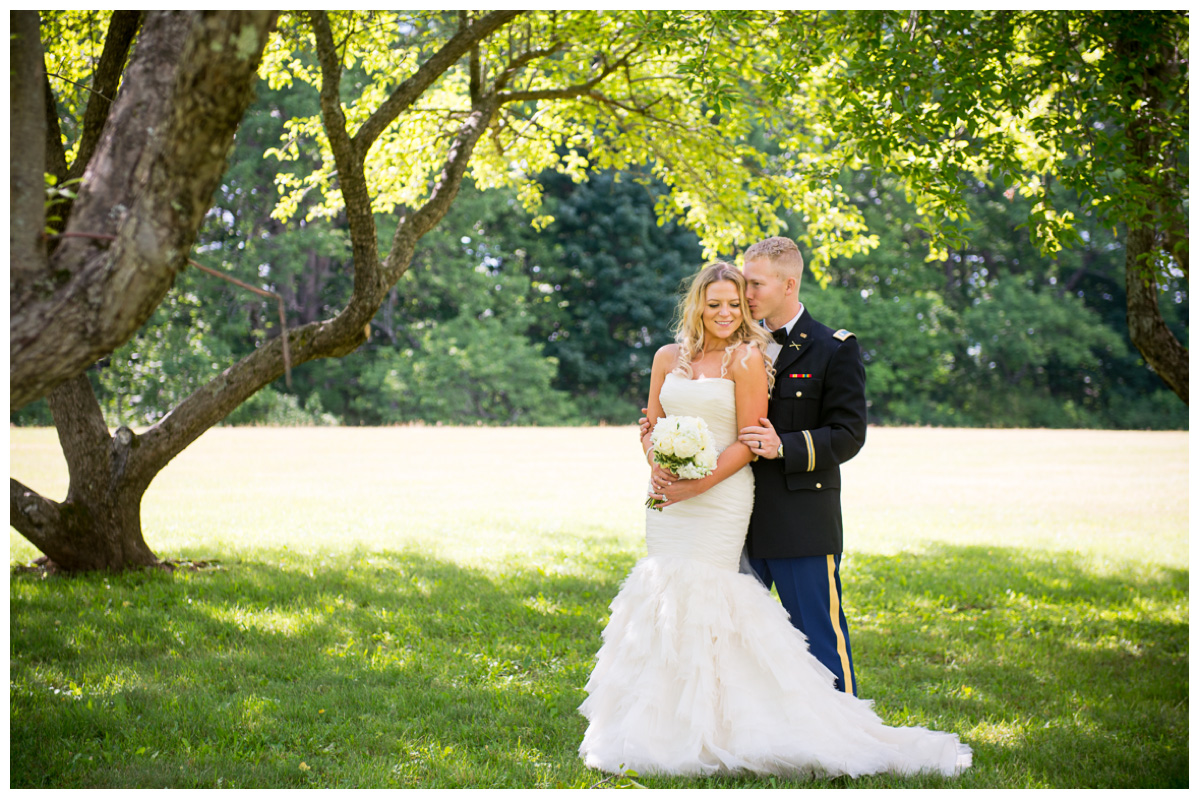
{"x": 700, "y": 669}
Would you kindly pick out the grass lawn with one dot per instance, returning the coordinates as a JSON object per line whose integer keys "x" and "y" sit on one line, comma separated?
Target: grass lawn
{"x": 419, "y": 607}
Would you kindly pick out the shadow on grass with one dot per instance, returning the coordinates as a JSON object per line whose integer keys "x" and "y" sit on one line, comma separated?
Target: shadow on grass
{"x": 390, "y": 668}
{"x": 1069, "y": 677}
{"x": 382, "y": 668}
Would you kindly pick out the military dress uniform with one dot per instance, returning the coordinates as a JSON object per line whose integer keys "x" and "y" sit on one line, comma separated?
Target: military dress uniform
{"x": 818, "y": 407}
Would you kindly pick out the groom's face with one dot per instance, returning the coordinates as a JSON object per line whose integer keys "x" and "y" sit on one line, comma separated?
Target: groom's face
{"x": 766, "y": 290}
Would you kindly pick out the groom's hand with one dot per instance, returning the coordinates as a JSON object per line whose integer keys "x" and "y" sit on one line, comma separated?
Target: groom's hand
{"x": 761, "y": 439}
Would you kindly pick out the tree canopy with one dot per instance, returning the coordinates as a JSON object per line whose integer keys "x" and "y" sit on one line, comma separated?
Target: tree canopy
{"x": 745, "y": 117}
{"x": 1096, "y": 101}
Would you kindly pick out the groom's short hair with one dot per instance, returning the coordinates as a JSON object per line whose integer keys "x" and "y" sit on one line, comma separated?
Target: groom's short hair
{"x": 783, "y": 254}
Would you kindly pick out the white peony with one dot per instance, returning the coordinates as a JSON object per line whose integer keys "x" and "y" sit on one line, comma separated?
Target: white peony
{"x": 682, "y": 437}
{"x": 684, "y": 446}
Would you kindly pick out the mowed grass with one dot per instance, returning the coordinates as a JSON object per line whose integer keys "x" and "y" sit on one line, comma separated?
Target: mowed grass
{"x": 419, "y": 607}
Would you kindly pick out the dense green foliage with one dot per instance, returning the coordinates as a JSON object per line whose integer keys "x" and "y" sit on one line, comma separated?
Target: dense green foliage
{"x": 997, "y": 334}
{"x": 611, "y": 281}
{"x": 971, "y": 307}
{"x": 498, "y": 324}
{"x": 1026, "y": 99}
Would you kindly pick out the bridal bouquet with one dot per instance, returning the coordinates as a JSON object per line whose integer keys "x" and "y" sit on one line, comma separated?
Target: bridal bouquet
{"x": 684, "y": 446}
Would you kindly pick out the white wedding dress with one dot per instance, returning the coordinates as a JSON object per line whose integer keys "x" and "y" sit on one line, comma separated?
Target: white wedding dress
{"x": 701, "y": 671}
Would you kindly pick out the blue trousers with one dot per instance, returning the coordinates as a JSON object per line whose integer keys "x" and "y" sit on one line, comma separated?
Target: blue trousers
{"x": 810, "y": 589}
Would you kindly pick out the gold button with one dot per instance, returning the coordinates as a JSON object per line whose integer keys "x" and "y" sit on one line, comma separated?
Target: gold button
{"x": 799, "y": 394}
{"x": 818, "y": 486}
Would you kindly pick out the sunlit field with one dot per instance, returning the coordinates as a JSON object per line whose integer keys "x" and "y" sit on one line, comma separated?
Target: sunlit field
{"x": 418, "y": 607}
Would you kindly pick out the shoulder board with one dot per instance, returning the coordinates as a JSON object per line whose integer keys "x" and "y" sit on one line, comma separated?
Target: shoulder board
{"x": 842, "y": 335}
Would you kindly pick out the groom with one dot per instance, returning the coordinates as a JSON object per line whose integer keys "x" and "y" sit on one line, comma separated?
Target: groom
{"x": 816, "y": 420}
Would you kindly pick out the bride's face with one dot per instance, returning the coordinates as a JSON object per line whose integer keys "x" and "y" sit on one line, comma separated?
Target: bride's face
{"x": 722, "y": 310}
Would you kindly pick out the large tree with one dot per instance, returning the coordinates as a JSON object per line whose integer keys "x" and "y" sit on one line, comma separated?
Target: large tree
{"x": 411, "y": 102}
{"x": 609, "y": 290}
{"x": 1097, "y": 101}
{"x": 146, "y": 165}
{"x": 1094, "y": 100}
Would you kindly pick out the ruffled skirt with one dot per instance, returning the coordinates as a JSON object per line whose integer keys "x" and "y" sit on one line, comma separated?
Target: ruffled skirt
{"x": 701, "y": 671}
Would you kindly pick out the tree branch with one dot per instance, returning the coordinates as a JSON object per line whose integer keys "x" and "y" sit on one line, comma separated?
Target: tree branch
{"x": 413, "y": 227}
{"x": 407, "y": 92}
{"x": 34, "y": 517}
{"x": 216, "y": 399}
{"x": 27, "y": 136}
{"x": 82, "y": 432}
{"x": 121, "y": 29}
{"x": 56, "y": 155}
{"x": 517, "y": 64}
{"x": 567, "y": 93}
{"x": 1147, "y": 329}
{"x": 341, "y": 335}
{"x": 348, "y": 157}
{"x": 210, "y": 403}
{"x": 475, "y": 86}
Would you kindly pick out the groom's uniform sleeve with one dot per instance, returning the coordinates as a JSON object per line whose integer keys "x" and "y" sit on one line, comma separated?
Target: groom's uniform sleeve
{"x": 842, "y": 423}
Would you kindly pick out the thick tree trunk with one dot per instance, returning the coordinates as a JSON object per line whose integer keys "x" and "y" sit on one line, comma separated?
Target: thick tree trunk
{"x": 98, "y": 525}
{"x": 143, "y": 194}
{"x": 1149, "y": 332}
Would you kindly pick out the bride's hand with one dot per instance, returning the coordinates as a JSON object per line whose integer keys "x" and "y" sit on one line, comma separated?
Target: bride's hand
{"x": 678, "y": 491}
{"x": 661, "y": 478}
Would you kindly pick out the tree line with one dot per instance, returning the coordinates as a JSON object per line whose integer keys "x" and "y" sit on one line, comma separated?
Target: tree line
{"x": 497, "y": 323}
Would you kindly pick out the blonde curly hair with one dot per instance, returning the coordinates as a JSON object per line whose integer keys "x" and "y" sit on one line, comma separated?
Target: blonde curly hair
{"x": 689, "y": 328}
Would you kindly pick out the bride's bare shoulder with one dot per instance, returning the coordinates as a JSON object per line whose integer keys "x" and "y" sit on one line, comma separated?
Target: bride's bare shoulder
{"x": 667, "y": 356}
{"x": 747, "y": 359}
{"x": 749, "y": 347}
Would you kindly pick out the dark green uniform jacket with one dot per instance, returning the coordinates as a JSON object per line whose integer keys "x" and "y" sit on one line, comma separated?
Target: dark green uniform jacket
{"x": 819, "y": 409}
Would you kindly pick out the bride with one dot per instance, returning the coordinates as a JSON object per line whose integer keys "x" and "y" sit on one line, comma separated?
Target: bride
{"x": 701, "y": 670}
